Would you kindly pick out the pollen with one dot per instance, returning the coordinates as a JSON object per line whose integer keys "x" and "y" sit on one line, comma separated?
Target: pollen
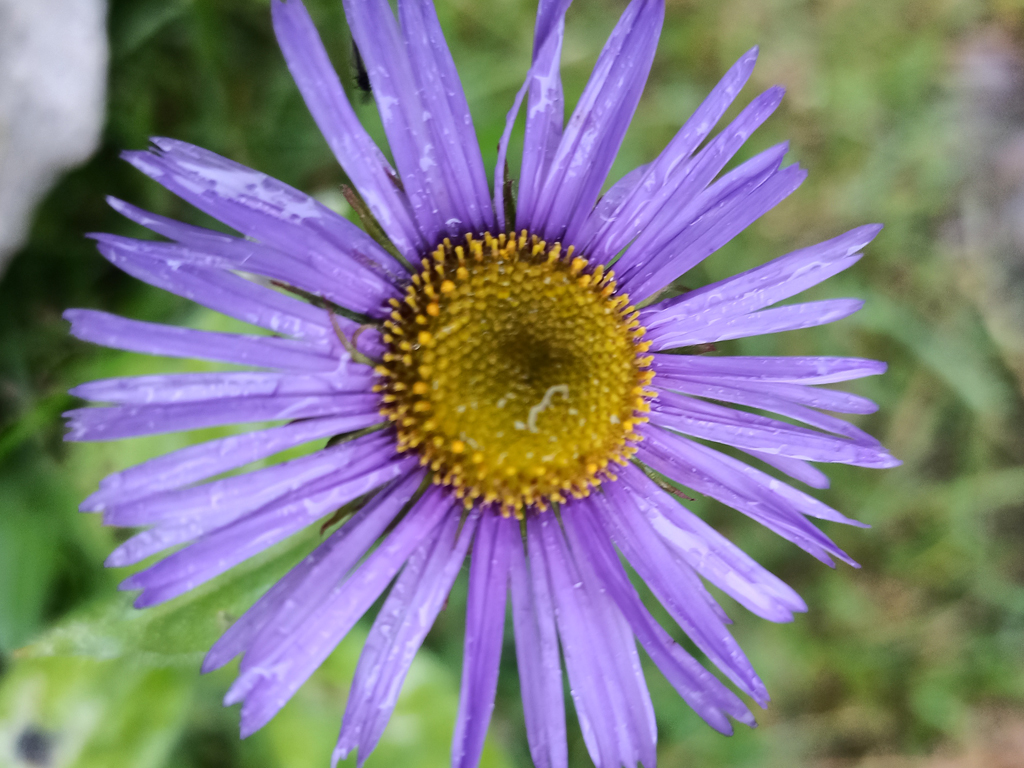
{"x": 522, "y": 381}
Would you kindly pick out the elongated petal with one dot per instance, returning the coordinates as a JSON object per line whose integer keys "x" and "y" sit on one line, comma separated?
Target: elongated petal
{"x": 675, "y": 203}
{"x": 709, "y": 472}
{"x": 500, "y": 202}
{"x": 798, "y": 469}
{"x": 271, "y": 212}
{"x": 380, "y": 642}
{"x": 748, "y": 431}
{"x": 485, "y": 628}
{"x": 222, "y": 292}
{"x": 398, "y": 632}
{"x": 221, "y": 548}
{"x": 709, "y": 553}
{"x": 716, "y": 226}
{"x": 538, "y": 661}
{"x": 802, "y": 370}
{"x": 199, "y": 462}
{"x": 422, "y": 161}
{"x": 600, "y": 655}
{"x": 185, "y": 527}
{"x": 362, "y": 160}
{"x": 323, "y": 494}
{"x": 781, "y": 494}
{"x": 788, "y": 318}
{"x": 155, "y": 339}
{"x": 794, "y": 400}
{"x": 197, "y": 387}
{"x": 609, "y": 231}
{"x": 451, "y": 122}
{"x": 231, "y": 497}
{"x": 801, "y": 394}
{"x": 121, "y": 421}
{"x": 198, "y": 247}
{"x": 676, "y": 586}
{"x": 285, "y": 653}
{"x": 607, "y": 208}
{"x": 768, "y": 284}
{"x": 708, "y": 697}
{"x": 595, "y": 131}
{"x": 756, "y": 393}
{"x": 216, "y": 551}
{"x": 586, "y": 685}
{"x": 309, "y": 581}
{"x": 545, "y": 111}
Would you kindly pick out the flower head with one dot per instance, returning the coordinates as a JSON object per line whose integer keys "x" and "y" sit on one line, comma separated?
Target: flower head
{"x": 514, "y": 388}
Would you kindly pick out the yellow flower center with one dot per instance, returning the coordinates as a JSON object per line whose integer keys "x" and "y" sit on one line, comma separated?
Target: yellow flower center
{"x": 515, "y": 372}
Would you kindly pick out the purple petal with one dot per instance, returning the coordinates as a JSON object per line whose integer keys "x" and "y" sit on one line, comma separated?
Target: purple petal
{"x": 609, "y": 231}
{"x": 788, "y": 318}
{"x": 445, "y": 102}
{"x": 708, "y": 697}
{"x": 710, "y": 473}
{"x": 763, "y": 286}
{"x": 271, "y": 212}
{"x": 546, "y": 107}
{"x": 206, "y": 249}
{"x": 595, "y": 131}
{"x": 751, "y": 432}
{"x": 380, "y": 643}
{"x": 425, "y": 169}
{"x": 798, "y": 469}
{"x": 606, "y": 211}
{"x": 715, "y": 226}
{"x": 199, "y": 462}
{"x": 311, "y": 579}
{"x": 676, "y": 586}
{"x": 612, "y": 702}
{"x": 303, "y": 633}
{"x": 802, "y": 394}
{"x": 506, "y": 136}
{"x": 196, "y": 387}
{"x": 362, "y": 160}
{"x": 218, "y": 550}
{"x": 750, "y": 392}
{"x": 539, "y": 665}
{"x": 780, "y": 493}
{"x": 224, "y": 530}
{"x": 709, "y": 553}
{"x": 231, "y": 497}
{"x": 175, "y": 531}
{"x": 803, "y": 370}
{"x": 121, "y": 421}
{"x": 675, "y": 223}
{"x": 485, "y": 629}
{"x": 673, "y": 204}
{"x": 768, "y": 395}
{"x": 398, "y": 633}
{"x": 222, "y": 292}
{"x": 155, "y": 339}
{"x": 586, "y": 685}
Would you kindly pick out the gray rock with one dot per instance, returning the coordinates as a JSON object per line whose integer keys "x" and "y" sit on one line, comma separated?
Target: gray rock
{"x": 53, "y": 71}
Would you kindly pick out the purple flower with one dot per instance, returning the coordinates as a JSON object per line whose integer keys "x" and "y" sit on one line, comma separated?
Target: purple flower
{"x": 506, "y": 392}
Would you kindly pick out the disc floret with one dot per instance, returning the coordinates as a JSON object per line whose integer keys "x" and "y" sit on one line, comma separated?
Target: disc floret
{"x": 515, "y": 370}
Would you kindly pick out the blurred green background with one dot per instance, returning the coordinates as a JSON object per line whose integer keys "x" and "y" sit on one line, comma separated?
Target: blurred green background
{"x": 904, "y": 111}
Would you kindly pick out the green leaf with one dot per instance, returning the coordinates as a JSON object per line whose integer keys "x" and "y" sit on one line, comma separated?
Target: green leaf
{"x": 177, "y": 632}
{"x": 91, "y": 714}
{"x": 30, "y": 538}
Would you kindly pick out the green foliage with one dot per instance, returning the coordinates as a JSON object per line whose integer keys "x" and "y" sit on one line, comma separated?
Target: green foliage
{"x": 901, "y": 657}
